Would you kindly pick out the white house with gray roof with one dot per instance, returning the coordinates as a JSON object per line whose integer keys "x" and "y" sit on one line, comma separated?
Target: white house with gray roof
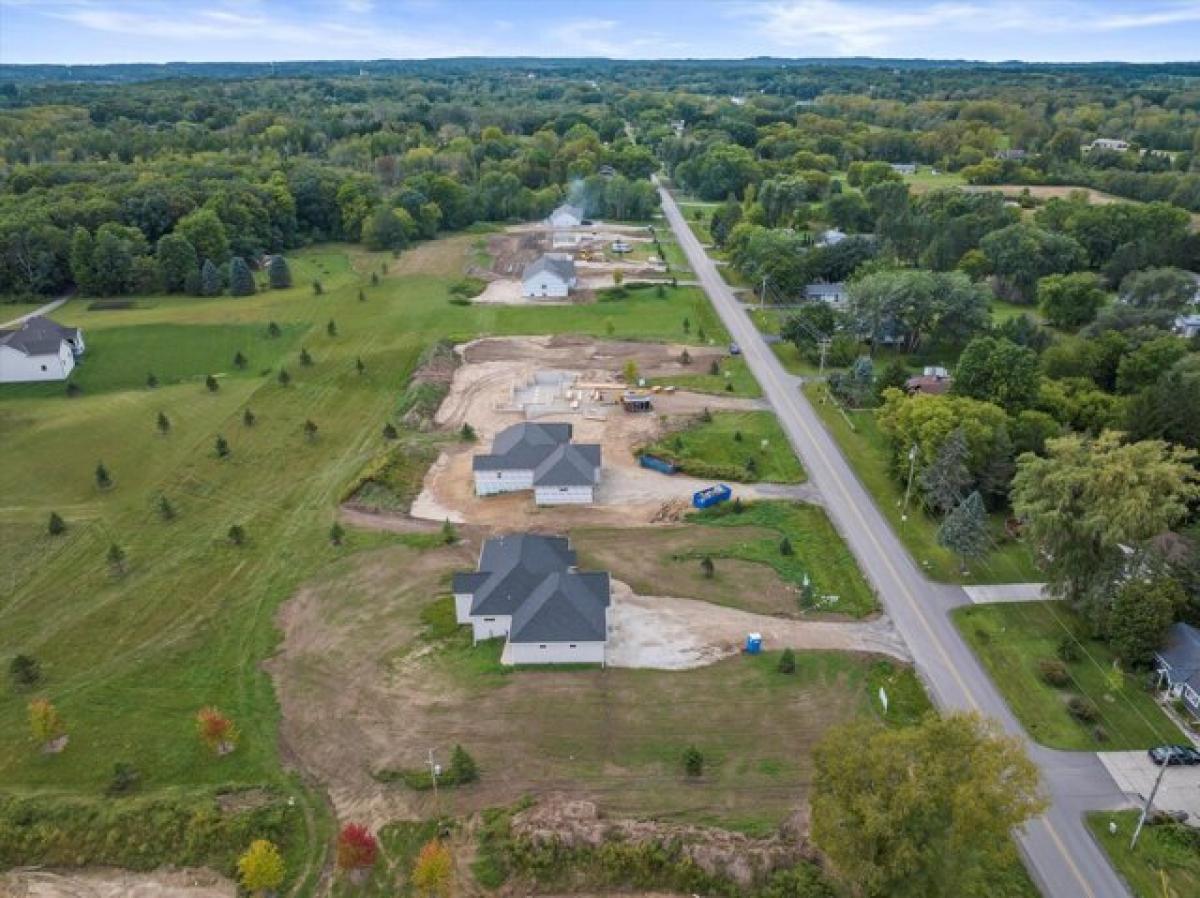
{"x": 552, "y": 275}
{"x": 1178, "y": 664}
{"x": 540, "y": 457}
{"x": 835, "y": 295}
{"x": 528, "y": 592}
{"x": 39, "y": 349}
{"x": 566, "y": 216}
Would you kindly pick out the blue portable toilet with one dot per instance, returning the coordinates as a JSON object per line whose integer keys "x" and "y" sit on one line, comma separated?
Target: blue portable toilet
{"x": 753, "y": 643}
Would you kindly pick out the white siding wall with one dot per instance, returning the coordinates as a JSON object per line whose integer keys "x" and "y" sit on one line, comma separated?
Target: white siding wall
{"x": 563, "y": 495}
{"x": 489, "y": 483}
{"x": 16, "y": 367}
{"x": 545, "y": 284}
{"x": 564, "y": 220}
{"x": 462, "y": 607}
{"x": 490, "y": 626}
{"x": 556, "y": 652}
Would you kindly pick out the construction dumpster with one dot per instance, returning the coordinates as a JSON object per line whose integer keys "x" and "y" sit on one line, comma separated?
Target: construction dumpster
{"x": 712, "y": 495}
{"x": 654, "y": 463}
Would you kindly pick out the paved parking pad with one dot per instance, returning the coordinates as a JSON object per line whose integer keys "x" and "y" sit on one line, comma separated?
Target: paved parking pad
{"x": 1135, "y": 773}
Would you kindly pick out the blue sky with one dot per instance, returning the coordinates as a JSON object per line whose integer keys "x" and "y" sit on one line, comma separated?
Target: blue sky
{"x": 93, "y": 31}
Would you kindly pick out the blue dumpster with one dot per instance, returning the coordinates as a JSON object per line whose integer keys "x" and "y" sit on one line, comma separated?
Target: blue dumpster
{"x": 713, "y": 495}
{"x": 753, "y": 643}
{"x": 654, "y": 463}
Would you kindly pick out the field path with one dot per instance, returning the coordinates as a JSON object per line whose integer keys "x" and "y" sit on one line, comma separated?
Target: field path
{"x": 42, "y": 310}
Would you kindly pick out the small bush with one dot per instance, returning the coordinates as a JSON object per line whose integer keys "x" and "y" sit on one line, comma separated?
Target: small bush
{"x": 125, "y": 779}
{"x": 787, "y": 662}
{"x": 56, "y": 525}
{"x": 1054, "y": 672}
{"x": 25, "y": 670}
{"x": 1068, "y": 649}
{"x": 467, "y": 288}
{"x": 693, "y": 761}
{"x": 1082, "y": 709}
{"x": 467, "y": 433}
{"x": 459, "y": 301}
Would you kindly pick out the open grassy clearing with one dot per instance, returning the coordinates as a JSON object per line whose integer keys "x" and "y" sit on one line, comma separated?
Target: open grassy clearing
{"x": 865, "y": 448}
{"x": 1165, "y": 855}
{"x": 732, "y": 371}
{"x": 746, "y": 447}
{"x": 1002, "y": 311}
{"x": 129, "y": 658}
{"x": 1011, "y": 638}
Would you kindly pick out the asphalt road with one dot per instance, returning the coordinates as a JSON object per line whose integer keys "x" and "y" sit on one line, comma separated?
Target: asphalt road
{"x": 1061, "y": 855}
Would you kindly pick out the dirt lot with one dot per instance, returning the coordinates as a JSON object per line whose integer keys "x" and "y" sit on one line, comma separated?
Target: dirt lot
{"x": 104, "y": 883}
{"x": 627, "y": 493}
{"x": 361, "y": 690}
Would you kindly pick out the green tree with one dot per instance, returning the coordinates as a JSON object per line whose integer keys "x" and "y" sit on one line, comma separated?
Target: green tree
{"x": 944, "y": 481}
{"x": 337, "y": 533}
{"x": 278, "y": 274}
{"x": 707, "y": 567}
{"x": 211, "y": 383}
{"x": 1090, "y": 500}
{"x": 241, "y": 281}
{"x": 305, "y": 358}
{"x": 163, "y": 423}
{"x": 237, "y": 534}
{"x": 1142, "y": 611}
{"x": 925, "y": 811}
{"x": 942, "y": 306}
{"x": 463, "y": 768}
{"x": 1158, "y": 288}
{"x": 103, "y": 478}
{"x": 1070, "y": 300}
{"x": 388, "y": 229}
{"x": 331, "y": 328}
{"x": 787, "y": 662}
{"x": 206, "y": 233}
{"x": 222, "y": 447}
{"x": 693, "y": 761}
{"x": 310, "y": 429}
{"x": 210, "y": 279}
{"x": 1145, "y": 365}
{"x": 116, "y": 559}
{"x": 389, "y": 431}
{"x": 56, "y": 526}
{"x": 248, "y": 418}
{"x": 151, "y": 380}
{"x": 1020, "y": 254}
{"x": 24, "y": 671}
{"x": 360, "y": 366}
{"x": 284, "y": 378}
{"x": 240, "y": 361}
{"x": 965, "y": 529}
{"x": 166, "y": 510}
{"x": 998, "y": 371}
{"x": 449, "y": 533}
{"x": 176, "y": 259}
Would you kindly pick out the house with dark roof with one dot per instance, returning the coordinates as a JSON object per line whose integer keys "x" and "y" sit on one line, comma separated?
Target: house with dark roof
{"x": 551, "y": 275}
{"x": 39, "y": 349}
{"x": 834, "y": 295}
{"x": 540, "y": 457}
{"x": 934, "y": 380}
{"x": 1178, "y": 664}
{"x": 528, "y": 592}
{"x": 566, "y": 216}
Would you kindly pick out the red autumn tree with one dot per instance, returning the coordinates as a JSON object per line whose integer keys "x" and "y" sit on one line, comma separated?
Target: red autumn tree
{"x": 356, "y": 847}
{"x": 216, "y": 730}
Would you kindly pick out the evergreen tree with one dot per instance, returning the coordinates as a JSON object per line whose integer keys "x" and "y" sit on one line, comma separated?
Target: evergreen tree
{"x": 331, "y": 328}
{"x": 241, "y": 281}
{"x": 945, "y": 480}
{"x": 360, "y": 366}
{"x": 305, "y": 358}
{"x": 785, "y": 547}
{"x": 193, "y": 285}
{"x": 273, "y": 330}
{"x": 222, "y": 447}
{"x": 707, "y": 567}
{"x": 116, "y": 559}
{"x": 374, "y": 279}
{"x": 237, "y": 534}
{"x": 693, "y": 761}
{"x": 284, "y": 377}
{"x": 362, "y": 295}
{"x": 317, "y": 288}
{"x": 211, "y": 383}
{"x": 103, "y": 479}
{"x": 166, "y": 510}
{"x": 248, "y": 418}
{"x": 965, "y": 531}
{"x": 449, "y": 534}
{"x": 310, "y": 429}
{"x": 210, "y": 279}
{"x": 151, "y": 380}
{"x": 25, "y": 670}
{"x": 176, "y": 259}
{"x": 389, "y": 431}
{"x": 56, "y": 525}
{"x": 239, "y": 361}
{"x": 467, "y": 433}
{"x": 787, "y": 662}
{"x": 463, "y": 768}
{"x": 163, "y": 423}
{"x": 336, "y": 533}
{"x": 278, "y": 274}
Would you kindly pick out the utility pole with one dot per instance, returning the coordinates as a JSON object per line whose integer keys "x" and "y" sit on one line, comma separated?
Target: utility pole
{"x": 762, "y": 294}
{"x": 433, "y": 776}
{"x": 912, "y": 464}
{"x": 823, "y": 344}
{"x": 1149, "y": 801}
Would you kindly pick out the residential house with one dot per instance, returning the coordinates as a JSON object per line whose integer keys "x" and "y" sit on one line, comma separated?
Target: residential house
{"x": 540, "y": 457}
{"x": 934, "y": 380}
{"x": 1178, "y": 664}
{"x": 566, "y": 216}
{"x": 39, "y": 349}
{"x": 1108, "y": 143}
{"x": 551, "y": 275}
{"x": 1188, "y": 325}
{"x": 1011, "y": 155}
{"x": 831, "y": 237}
{"x": 904, "y": 168}
{"x": 528, "y": 591}
{"x": 834, "y": 295}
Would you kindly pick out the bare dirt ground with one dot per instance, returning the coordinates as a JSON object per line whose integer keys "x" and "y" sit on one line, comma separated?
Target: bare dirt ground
{"x": 627, "y": 493}
{"x": 106, "y": 883}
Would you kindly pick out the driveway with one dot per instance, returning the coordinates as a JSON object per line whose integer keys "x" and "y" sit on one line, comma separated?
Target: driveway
{"x": 1135, "y": 774}
{"x": 44, "y": 310}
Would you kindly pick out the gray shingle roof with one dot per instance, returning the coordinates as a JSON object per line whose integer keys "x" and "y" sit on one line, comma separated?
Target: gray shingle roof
{"x": 559, "y": 264}
{"x": 38, "y": 336}
{"x": 532, "y": 578}
{"x": 1182, "y": 654}
{"x": 545, "y": 449}
{"x": 577, "y": 211}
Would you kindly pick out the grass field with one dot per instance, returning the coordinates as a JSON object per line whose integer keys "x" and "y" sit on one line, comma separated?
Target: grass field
{"x": 1010, "y": 639}
{"x": 749, "y": 571}
{"x": 740, "y": 446}
{"x": 1002, "y": 311}
{"x": 129, "y": 657}
{"x": 866, "y": 450}
{"x": 734, "y": 372}
{"x": 1165, "y": 856}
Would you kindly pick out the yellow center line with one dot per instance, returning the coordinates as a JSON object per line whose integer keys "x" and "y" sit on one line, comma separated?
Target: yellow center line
{"x": 782, "y": 387}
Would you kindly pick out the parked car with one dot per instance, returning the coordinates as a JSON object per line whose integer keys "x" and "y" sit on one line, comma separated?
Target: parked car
{"x": 734, "y": 349}
{"x": 1174, "y": 755}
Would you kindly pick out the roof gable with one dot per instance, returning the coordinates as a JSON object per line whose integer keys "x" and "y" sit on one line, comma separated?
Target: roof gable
{"x": 559, "y": 265}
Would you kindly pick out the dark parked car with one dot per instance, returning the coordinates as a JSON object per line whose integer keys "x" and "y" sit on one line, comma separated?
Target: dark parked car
{"x": 1174, "y": 755}
{"x": 734, "y": 349}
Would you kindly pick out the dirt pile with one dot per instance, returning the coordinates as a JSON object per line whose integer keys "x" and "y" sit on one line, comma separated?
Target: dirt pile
{"x": 572, "y": 823}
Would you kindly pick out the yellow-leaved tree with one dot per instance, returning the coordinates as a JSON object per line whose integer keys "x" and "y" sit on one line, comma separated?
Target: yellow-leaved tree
{"x": 44, "y": 721}
{"x": 261, "y": 867}
{"x": 433, "y": 870}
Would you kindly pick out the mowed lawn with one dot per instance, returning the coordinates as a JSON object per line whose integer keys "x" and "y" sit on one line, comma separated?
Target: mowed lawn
{"x": 1011, "y": 638}
{"x": 865, "y": 447}
{"x": 129, "y": 658}
{"x": 1165, "y": 855}
{"x": 733, "y": 377}
{"x": 747, "y": 447}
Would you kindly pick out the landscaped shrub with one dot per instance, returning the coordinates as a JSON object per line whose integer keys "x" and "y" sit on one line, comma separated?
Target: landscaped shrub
{"x": 693, "y": 761}
{"x": 1082, "y": 709}
{"x": 468, "y": 287}
{"x": 1068, "y": 649}
{"x": 1054, "y": 672}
